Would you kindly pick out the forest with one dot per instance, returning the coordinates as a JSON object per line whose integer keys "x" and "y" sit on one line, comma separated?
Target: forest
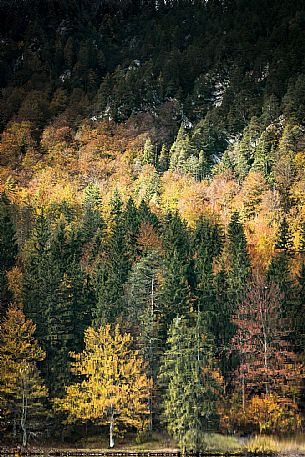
{"x": 152, "y": 220}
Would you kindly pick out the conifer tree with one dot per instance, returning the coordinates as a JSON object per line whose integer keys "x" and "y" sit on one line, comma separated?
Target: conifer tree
{"x": 40, "y": 279}
{"x": 238, "y": 258}
{"x": 131, "y": 229}
{"x": 176, "y": 289}
{"x": 143, "y": 308}
{"x": 298, "y": 317}
{"x": 163, "y": 160}
{"x": 191, "y": 381}
{"x": 149, "y": 153}
{"x": 145, "y": 215}
{"x": 112, "y": 269}
{"x": 237, "y": 275}
{"x": 92, "y": 223}
{"x": 207, "y": 245}
{"x": 279, "y": 270}
{"x": 181, "y": 150}
{"x": 222, "y": 326}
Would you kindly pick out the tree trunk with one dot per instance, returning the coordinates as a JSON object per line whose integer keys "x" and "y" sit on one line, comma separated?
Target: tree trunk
{"x": 111, "y": 439}
{"x": 23, "y": 419}
{"x": 243, "y": 391}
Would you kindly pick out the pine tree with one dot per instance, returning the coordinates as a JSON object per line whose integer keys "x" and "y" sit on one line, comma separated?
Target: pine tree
{"x": 56, "y": 296}
{"x": 222, "y": 325}
{"x": 191, "y": 381}
{"x": 298, "y": 317}
{"x": 92, "y": 223}
{"x": 284, "y": 238}
{"x": 145, "y": 215}
{"x": 40, "y": 279}
{"x": 131, "y": 229}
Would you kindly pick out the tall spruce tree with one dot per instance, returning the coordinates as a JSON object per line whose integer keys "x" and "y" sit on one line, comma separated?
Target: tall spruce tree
{"x": 190, "y": 380}
{"x": 238, "y": 258}
{"x": 112, "y": 269}
{"x": 39, "y": 279}
{"x": 176, "y": 297}
{"x": 207, "y": 245}
{"x": 279, "y": 270}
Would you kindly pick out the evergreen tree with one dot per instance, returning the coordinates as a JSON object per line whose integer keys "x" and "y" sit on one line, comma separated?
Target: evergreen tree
{"x": 238, "y": 258}
{"x": 145, "y": 215}
{"x": 181, "y": 151}
{"x": 112, "y": 269}
{"x": 284, "y": 239}
{"x": 207, "y": 245}
{"x": 279, "y": 270}
{"x": 163, "y": 160}
{"x": 40, "y": 279}
{"x": 92, "y": 223}
{"x": 176, "y": 298}
{"x": 149, "y": 154}
{"x": 143, "y": 308}
{"x": 131, "y": 229}
{"x": 222, "y": 325}
{"x": 190, "y": 380}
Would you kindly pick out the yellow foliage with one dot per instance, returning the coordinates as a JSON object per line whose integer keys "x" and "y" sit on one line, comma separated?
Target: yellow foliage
{"x": 264, "y": 413}
{"x": 19, "y": 351}
{"x": 14, "y": 279}
{"x": 114, "y": 388}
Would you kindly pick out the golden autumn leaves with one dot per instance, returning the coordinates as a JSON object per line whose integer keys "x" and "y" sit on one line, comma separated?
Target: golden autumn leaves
{"x": 22, "y": 391}
{"x": 114, "y": 389}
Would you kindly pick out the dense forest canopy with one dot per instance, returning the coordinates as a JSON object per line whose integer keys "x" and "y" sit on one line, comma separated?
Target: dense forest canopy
{"x": 152, "y": 215}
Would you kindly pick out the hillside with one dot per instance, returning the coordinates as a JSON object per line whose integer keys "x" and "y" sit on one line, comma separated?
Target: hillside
{"x": 152, "y": 176}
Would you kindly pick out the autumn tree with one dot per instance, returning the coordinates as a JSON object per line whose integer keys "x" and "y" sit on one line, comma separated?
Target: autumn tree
{"x": 8, "y": 248}
{"x": 267, "y": 363}
{"x": 114, "y": 389}
{"x": 22, "y": 390}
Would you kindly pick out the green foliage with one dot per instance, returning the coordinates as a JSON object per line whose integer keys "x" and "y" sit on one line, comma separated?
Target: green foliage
{"x": 190, "y": 381}
{"x": 239, "y": 262}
